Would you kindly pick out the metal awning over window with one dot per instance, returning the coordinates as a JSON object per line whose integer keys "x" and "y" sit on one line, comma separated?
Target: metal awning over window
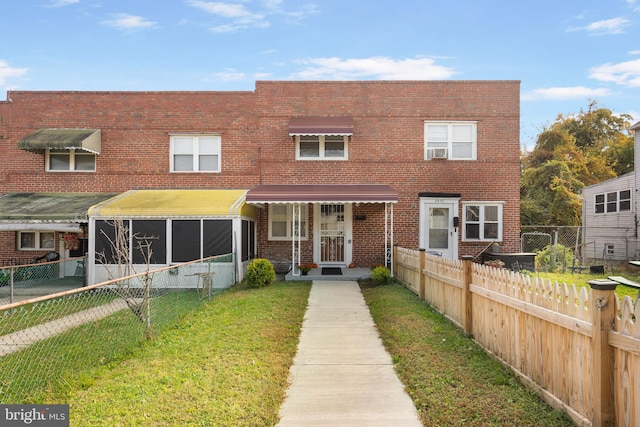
{"x": 322, "y": 193}
{"x": 175, "y": 203}
{"x": 62, "y": 139}
{"x": 321, "y": 126}
{"x": 46, "y": 211}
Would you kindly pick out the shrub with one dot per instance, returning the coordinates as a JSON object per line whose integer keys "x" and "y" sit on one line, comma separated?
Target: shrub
{"x": 381, "y": 276}
{"x": 260, "y": 273}
{"x": 554, "y": 257}
{"x": 4, "y": 278}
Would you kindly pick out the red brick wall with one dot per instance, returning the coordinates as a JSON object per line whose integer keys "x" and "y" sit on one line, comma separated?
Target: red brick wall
{"x": 387, "y": 145}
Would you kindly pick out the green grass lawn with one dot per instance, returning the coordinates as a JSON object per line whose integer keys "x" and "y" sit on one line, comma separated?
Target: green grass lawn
{"x": 451, "y": 380}
{"x": 228, "y": 364}
{"x": 582, "y": 279}
{"x": 223, "y": 365}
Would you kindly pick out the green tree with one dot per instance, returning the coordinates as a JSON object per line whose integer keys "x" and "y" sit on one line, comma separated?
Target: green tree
{"x": 572, "y": 153}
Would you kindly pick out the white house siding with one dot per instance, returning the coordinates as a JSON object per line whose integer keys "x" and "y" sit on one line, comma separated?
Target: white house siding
{"x": 614, "y": 228}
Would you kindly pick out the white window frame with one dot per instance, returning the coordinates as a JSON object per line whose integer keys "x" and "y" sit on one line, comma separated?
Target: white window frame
{"x": 448, "y": 142}
{"x": 37, "y": 240}
{"x": 607, "y": 205}
{"x": 196, "y": 152}
{"x": 482, "y": 221}
{"x": 609, "y": 249}
{"x": 304, "y": 212}
{"x": 72, "y": 160}
{"x": 321, "y": 148}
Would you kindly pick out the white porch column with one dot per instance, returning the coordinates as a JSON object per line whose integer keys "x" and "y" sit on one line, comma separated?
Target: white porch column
{"x": 296, "y": 239}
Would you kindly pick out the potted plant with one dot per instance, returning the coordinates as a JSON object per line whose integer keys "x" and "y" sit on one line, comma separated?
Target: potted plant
{"x": 495, "y": 263}
{"x": 305, "y": 268}
{"x": 495, "y": 247}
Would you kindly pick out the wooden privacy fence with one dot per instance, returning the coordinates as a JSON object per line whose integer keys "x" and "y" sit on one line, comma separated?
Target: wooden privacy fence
{"x": 578, "y": 348}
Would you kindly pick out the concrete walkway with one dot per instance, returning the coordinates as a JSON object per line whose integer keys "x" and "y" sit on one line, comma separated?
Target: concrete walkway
{"x": 24, "y": 338}
{"x": 342, "y": 375}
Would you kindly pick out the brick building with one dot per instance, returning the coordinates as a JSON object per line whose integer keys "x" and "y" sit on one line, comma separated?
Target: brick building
{"x": 342, "y": 169}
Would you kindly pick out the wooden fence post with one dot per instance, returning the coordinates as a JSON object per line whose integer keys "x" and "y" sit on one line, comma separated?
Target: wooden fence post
{"x": 467, "y": 297}
{"x": 603, "y": 309}
{"x": 421, "y": 288}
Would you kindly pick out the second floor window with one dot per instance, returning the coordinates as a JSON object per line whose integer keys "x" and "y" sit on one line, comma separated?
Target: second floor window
{"x": 321, "y": 147}
{"x": 615, "y": 201}
{"x": 450, "y": 140}
{"x": 195, "y": 153}
{"x": 70, "y": 161}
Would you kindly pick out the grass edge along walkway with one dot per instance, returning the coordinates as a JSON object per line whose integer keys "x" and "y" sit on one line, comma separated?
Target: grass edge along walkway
{"x": 449, "y": 377}
{"x": 226, "y": 364}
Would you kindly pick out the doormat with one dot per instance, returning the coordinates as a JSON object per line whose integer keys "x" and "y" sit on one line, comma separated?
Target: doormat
{"x": 331, "y": 271}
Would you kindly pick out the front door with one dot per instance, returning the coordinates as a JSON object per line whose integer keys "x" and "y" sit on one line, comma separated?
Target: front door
{"x": 333, "y": 235}
{"x": 439, "y": 227}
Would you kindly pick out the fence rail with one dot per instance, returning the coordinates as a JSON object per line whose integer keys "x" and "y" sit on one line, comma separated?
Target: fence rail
{"x": 50, "y": 341}
{"x": 578, "y": 348}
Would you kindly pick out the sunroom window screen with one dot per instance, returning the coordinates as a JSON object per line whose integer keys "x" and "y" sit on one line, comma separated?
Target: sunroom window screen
{"x": 217, "y": 237}
{"x": 185, "y": 238}
{"x": 153, "y": 232}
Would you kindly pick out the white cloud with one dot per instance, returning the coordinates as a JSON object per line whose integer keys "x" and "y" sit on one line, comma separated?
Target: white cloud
{"x": 229, "y": 75}
{"x": 7, "y": 72}
{"x": 564, "y": 93}
{"x": 239, "y": 17}
{"x": 128, "y": 22}
{"x": 606, "y": 26}
{"x": 379, "y": 67}
{"x": 62, "y": 3}
{"x": 228, "y": 10}
{"x": 624, "y": 73}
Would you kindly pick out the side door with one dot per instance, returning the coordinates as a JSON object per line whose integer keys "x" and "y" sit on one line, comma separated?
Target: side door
{"x": 439, "y": 226}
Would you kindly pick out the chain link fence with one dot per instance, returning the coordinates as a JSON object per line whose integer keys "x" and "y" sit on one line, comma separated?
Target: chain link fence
{"x": 579, "y": 248}
{"x": 22, "y": 282}
{"x": 49, "y": 342}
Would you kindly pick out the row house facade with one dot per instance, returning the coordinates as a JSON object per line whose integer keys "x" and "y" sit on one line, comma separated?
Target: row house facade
{"x": 331, "y": 173}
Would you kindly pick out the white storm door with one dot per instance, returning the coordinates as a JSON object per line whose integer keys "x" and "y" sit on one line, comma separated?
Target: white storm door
{"x": 438, "y": 227}
{"x": 332, "y": 231}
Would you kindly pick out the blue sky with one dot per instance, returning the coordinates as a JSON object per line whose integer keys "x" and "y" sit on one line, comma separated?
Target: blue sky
{"x": 564, "y": 52}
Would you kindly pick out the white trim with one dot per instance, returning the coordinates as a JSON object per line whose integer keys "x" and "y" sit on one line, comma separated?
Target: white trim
{"x": 481, "y": 221}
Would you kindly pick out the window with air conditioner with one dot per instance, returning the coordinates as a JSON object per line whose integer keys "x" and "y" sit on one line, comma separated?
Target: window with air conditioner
{"x": 450, "y": 140}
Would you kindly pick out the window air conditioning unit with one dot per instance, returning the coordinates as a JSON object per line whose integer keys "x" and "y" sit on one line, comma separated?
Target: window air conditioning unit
{"x": 439, "y": 153}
